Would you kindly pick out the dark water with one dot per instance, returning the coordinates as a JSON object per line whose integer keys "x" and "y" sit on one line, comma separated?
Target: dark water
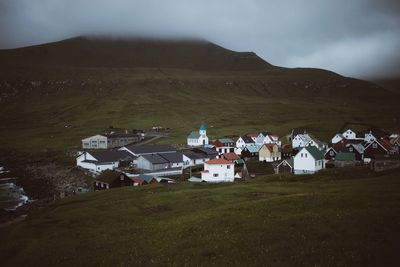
{"x": 11, "y": 195}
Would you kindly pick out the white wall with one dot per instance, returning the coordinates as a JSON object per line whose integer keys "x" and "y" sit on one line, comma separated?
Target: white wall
{"x": 218, "y": 173}
{"x": 305, "y": 163}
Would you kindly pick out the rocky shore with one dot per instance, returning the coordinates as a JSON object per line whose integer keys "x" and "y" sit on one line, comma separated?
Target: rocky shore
{"x": 32, "y": 184}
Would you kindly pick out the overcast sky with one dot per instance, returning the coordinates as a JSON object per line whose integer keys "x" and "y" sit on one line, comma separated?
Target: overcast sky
{"x": 359, "y": 38}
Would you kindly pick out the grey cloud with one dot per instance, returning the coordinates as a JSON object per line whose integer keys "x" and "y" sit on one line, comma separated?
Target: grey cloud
{"x": 358, "y": 38}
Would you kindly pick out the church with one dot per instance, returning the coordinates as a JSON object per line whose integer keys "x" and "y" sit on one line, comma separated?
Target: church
{"x": 198, "y": 138}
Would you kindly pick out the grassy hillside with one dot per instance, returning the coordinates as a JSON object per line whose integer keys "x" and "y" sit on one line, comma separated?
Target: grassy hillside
{"x": 336, "y": 218}
{"x": 54, "y": 95}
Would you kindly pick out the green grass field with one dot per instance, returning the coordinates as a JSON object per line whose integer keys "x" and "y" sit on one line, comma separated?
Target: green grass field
{"x": 335, "y": 218}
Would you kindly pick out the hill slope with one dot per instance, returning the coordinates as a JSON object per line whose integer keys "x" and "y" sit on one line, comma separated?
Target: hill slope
{"x": 89, "y": 84}
{"x": 129, "y": 53}
{"x": 336, "y": 218}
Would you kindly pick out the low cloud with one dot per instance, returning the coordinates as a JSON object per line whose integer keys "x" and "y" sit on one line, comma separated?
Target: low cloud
{"x": 355, "y": 38}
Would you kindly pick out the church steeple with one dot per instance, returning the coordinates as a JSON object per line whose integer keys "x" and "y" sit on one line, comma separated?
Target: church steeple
{"x": 202, "y": 129}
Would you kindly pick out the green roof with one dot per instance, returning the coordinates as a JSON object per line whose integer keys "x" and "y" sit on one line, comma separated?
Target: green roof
{"x": 345, "y": 156}
{"x": 315, "y": 152}
{"x": 146, "y": 177}
{"x": 108, "y": 176}
{"x": 226, "y": 140}
{"x": 194, "y": 135}
{"x": 202, "y": 127}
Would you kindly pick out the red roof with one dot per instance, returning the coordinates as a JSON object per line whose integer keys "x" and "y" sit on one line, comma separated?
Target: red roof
{"x": 138, "y": 180}
{"x": 205, "y": 171}
{"x": 231, "y": 156}
{"x": 218, "y": 161}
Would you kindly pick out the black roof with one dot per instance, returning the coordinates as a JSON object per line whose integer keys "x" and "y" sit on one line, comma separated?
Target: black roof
{"x": 150, "y": 149}
{"x": 174, "y": 157}
{"x": 110, "y": 155}
{"x": 247, "y": 139}
{"x": 207, "y": 151}
{"x": 193, "y": 155}
{"x": 155, "y": 158}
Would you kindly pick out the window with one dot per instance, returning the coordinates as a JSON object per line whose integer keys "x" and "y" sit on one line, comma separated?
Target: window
{"x": 375, "y": 145}
{"x": 229, "y": 166}
{"x": 301, "y": 154}
{"x": 305, "y": 155}
{"x": 351, "y": 149}
{"x": 215, "y": 174}
{"x": 332, "y": 153}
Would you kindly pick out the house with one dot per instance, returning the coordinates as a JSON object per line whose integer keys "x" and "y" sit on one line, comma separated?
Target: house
{"x": 224, "y": 145}
{"x": 191, "y": 158}
{"x": 285, "y": 166}
{"x": 267, "y": 138}
{"x": 294, "y": 133}
{"x": 148, "y": 149}
{"x": 160, "y": 162}
{"x": 209, "y": 153}
{"x": 99, "y": 161}
{"x": 337, "y": 138}
{"x": 110, "y": 140}
{"x": 198, "y": 138}
{"x": 286, "y": 151}
{"x": 357, "y": 149}
{"x": 250, "y": 151}
{"x": 373, "y": 134}
{"x": 378, "y": 148}
{"x": 253, "y": 136}
{"x": 330, "y": 154}
{"x": 309, "y": 160}
{"x": 269, "y": 153}
{"x": 349, "y": 134}
{"x": 218, "y": 170}
{"x": 244, "y": 141}
{"x": 304, "y": 140}
{"x": 301, "y": 140}
{"x": 111, "y": 179}
{"x": 344, "y": 159}
{"x": 232, "y": 157}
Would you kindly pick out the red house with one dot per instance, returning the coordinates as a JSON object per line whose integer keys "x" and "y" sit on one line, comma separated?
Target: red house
{"x": 379, "y": 148}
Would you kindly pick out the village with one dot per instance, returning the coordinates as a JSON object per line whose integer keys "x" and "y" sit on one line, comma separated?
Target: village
{"x": 118, "y": 159}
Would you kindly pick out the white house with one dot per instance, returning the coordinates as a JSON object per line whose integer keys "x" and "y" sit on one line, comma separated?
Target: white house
{"x": 349, "y": 134}
{"x": 198, "y": 138}
{"x": 267, "y": 138}
{"x": 218, "y": 170}
{"x": 337, "y": 138}
{"x": 308, "y": 160}
{"x": 100, "y": 161}
{"x": 370, "y": 137}
{"x": 244, "y": 141}
{"x": 304, "y": 140}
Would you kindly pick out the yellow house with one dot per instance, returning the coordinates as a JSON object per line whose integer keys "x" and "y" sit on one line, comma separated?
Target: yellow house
{"x": 269, "y": 153}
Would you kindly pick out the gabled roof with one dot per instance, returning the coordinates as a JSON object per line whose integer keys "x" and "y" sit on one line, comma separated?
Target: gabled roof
{"x": 315, "y": 152}
{"x": 193, "y": 155}
{"x": 247, "y": 139}
{"x": 109, "y": 155}
{"x": 147, "y": 178}
{"x": 253, "y": 148}
{"x": 270, "y": 147}
{"x": 149, "y": 149}
{"x": 207, "y": 151}
{"x": 218, "y": 162}
{"x": 342, "y": 156}
{"x": 155, "y": 158}
{"x": 288, "y": 161}
{"x": 357, "y": 146}
{"x": 194, "y": 135}
{"x": 108, "y": 176}
{"x": 225, "y": 140}
{"x": 174, "y": 157}
{"x": 304, "y": 137}
{"x": 138, "y": 180}
{"x": 231, "y": 156}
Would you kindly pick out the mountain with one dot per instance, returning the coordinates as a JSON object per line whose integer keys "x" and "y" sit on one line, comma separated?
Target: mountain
{"x": 134, "y": 52}
{"x": 53, "y": 95}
